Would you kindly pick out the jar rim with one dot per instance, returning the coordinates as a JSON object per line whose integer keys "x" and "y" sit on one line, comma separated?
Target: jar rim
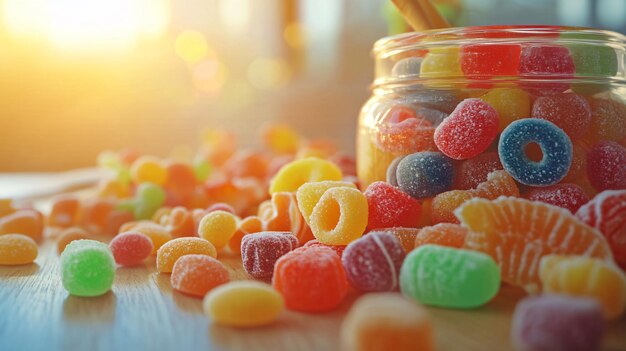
{"x": 499, "y": 33}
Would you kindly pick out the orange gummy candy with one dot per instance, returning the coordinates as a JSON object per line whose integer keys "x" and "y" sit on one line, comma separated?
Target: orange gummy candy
{"x": 174, "y": 249}
{"x": 517, "y": 233}
{"x": 68, "y": 235}
{"x": 64, "y": 212}
{"x": 16, "y": 249}
{"x": 27, "y": 222}
{"x": 198, "y": 274}
{"x": 248, "y": 225}
{"x": 444, "y": 234}
{"x": 281, "y": 213}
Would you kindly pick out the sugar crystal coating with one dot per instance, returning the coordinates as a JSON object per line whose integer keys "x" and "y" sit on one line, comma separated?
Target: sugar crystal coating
{"x": 372, "y": 263}
{"x": 570, "y": 112}
{"x": 17, "y": 249}
{"x": 448, "y": 277}
{"x": 474, "y": 171}
{"x": 510, "y": 103}
{"x": 444, "y": 234}
{"x": 387, "y": 321}
{"x": 197, "y": 274}
{"x": 340, "y": 216}
{"x": 260, "y": 251}
{"x": 68, "y": 235}
{"x": 555, "y": 145}
{"x": 425, "y": 174}
{"x": 309, "y": 194}
{"x": 87, "y": 268}
{"x": 388, "y": 206}
{"x": 339, "y": 249}
{"x": 130, "y": 248}
{"x": 218, "y": 227}
{"x": 557, "y": 323}
{"x": 606, "y": 166}
{"x": 546, "y": 61}
{"x": 174, "y": 249}
{"x": 567, "y": 195}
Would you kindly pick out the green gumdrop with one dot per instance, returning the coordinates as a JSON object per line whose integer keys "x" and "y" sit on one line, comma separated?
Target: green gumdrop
{"x": 127, "y": 205}
{"x": 591, "y": 59}
{"x": 150, "y": 194}
{"x": 202, "y": 169}
{"x": 448, "y": 277}
{"x": 87, "y": 268}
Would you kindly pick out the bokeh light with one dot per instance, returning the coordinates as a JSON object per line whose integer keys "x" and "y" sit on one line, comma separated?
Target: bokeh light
{"x": 209, "y": 76}
{"x": 294, "y": 35}
{"x": 267, "y": 73}
{"x": 191, "y": 46}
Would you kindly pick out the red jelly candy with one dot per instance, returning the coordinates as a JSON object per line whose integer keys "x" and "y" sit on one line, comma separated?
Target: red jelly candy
{"x": 339, "y": 249}
{"x": 130, "y": 248}
{"x": 260, "y": 251}
{"x": 606, "y": 166}
{"x": 607, "y": 213}
{"x": 567, "y": 195}
{"x": 372, "y": 262}
{"x": 310, "y": 279}
{"x": 570, "y": 112}
{"x": 400, "y": 130}
{"x": 388, "y": 206}
{"x": 474, "y": 171}
{"x": 468, "y": 131}
{"x": 444, "y": 234}
{"x": 548, "y": 62}
{"x": 480, "y": 61}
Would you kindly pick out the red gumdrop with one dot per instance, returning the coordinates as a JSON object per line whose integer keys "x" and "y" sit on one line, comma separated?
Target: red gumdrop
{"x": 474, "y": 171}
{"x": 481, "y": 61}
{"x": 606, "y": 166}
{"x": 372, "y": 262}
{"x": 607, "y": 213}
{"x": 389, "y": 206}
{"x": 337, "y": 248}
{"x": 260, "y": 251}
{"x": 400, "y": 130}
{"x": 468, "y": 131}
{"x": 567, "y": 195}
{"x": 130, "y": 248}
{"x": 570, "y": 112}
{"x": 310, "y": 279}
{"x": 546, "y": 62}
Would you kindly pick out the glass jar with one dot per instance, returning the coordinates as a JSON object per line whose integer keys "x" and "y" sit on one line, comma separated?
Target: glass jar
{"x": 439, "y": 91}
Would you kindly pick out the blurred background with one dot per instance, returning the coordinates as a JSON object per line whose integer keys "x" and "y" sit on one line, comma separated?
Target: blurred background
{"x": 81, "y": 76}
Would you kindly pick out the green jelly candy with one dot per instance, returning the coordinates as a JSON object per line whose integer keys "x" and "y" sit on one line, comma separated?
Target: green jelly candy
{"x": 150, "y": 195}
{"x": 447, "y": 277}
{"x": 87, "y": 268}
{"x": 592, "y": 58}
{"x": 144, "y": 211}
{"x": 202, "y": 169}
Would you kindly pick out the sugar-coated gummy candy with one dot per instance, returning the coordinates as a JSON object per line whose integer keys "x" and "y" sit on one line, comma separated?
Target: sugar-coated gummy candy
{"x": 64, "y": 212}
{"x": 392, "y": 169}
{"x": 148, "y": 169}
{"x": 181, "y": 180}
{"x": 388, "y": 206}
{"x": 498, "y": 183}
{"x": 218, "y": 227}
{"x": 548, "y": 62}
{"x": 281, "y": 213}
{"x": 444, "y": 234}
{"x": 340, "y": 216}
{"x": 248, "y": 225}
{"x": 87, "y": 268}
{"x": 401, "y": 130}
{"x": 311, "y": 169}
{"x": 407, "y": 67}
{"x": 607, "y": 213}
{"x": 372, "y": 262}
{"x": 588, "y": 277}
{"x": 468, "y": 131}
{"x": 197, "y": 274}
{"x": 608, "y": 120}
{"x": 26, "y": 222}
{"x": 17, "y": 249}
{"x": 150, "y": 194}
{"x": 309, "y": 194}
{"x": 578, "y": 170}
{"x": 481, "y": 61}
{"x": 339, "y": 249}
{"x": 517, "y": 233}
{"x": 425, "y": 174}
{"x": 566, "y": 195}
{"x": 310, "y": 279}
{"x": 570, "y": 112}
{"x": 68, "y": 235}
{"x": 387, "y": 321}
{"x": 247, "y": 164}
{"x": 606, "y": 166}
{"x": 95, "y": 213}
{"x": 260, "y": 251}
{"x": 158, "y": 234}
{"x": 243, "y": 303}
{"x": 130, "y": 248}
{"x": 510, "y": 103}
{"x": 471, "y": 172}
{"x": 555, "y": 145}
{"x": 281, "y": 138}
{"x": 557, "y": 322}
{"x": 406, "y": 236}
{"x": 174, "y": 249}
{"x": 441, "y": 62}
{"x": 449, "y": 277}
{"x": 179, "y": 222}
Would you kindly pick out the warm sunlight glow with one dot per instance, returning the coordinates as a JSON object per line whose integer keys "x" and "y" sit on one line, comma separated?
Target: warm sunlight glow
{"x": 87, "y": 25}
{"x": 191, "y": 46}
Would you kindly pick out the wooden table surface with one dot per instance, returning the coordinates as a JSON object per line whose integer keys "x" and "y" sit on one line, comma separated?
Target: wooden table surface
{"x": 142, "y": 312}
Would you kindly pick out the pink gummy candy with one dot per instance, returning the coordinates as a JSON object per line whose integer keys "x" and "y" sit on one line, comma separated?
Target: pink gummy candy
{"x": 557, "y": 323}
{"x": 474, "y": 171}
{"x": 130, "y": 248}
{"x": 260, "y": 251}
{"x": 606, "y": 166}
{"x": 566, "y": 195}
{"x": 389, "y": 206}
{"x": 372, "y": 263}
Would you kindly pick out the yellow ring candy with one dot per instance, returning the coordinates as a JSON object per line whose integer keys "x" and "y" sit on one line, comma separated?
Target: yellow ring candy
{"x": 311, "y": 169}
{"x": 243, "y": 303}
{"x": 17, "y": 249}
{"x": 218, "y": 227}
{"x": 340, "y": 216}
{"x": 309, "y": 194}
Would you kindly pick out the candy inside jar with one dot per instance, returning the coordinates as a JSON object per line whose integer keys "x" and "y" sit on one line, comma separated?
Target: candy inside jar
{"x": 544, "y": 104}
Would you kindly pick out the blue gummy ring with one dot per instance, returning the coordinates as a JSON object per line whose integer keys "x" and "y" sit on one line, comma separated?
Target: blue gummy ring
{"x": 554, "y": 143}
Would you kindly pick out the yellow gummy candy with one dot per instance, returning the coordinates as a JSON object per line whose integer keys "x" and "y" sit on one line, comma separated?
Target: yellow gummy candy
{"x": 16, "y": 249}
{"x": 340, "y": 216}
{"x": 218, "y": 227}
{"x": 311, "y": 169}
{"x": 309, "y": 194}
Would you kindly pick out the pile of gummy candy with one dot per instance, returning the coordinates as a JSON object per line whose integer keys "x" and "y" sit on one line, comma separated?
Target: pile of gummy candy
{"x": 294, "y": 213}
